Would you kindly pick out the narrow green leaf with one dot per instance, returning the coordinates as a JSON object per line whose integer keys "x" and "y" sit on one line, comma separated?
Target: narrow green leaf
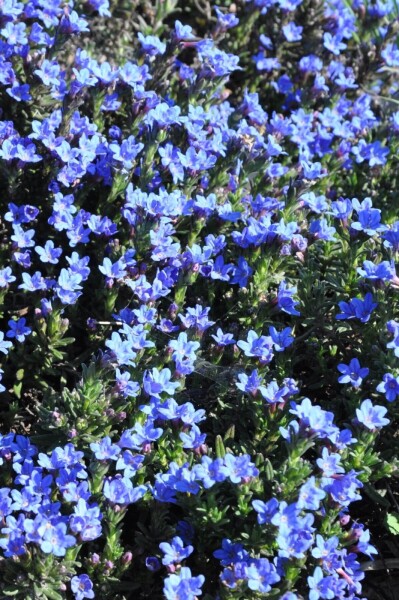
{"x": 219, "y": 447}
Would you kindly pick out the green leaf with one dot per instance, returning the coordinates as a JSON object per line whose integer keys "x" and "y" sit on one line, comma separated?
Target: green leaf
{"x": 269, "y": 471}
{"x": 230, "y": 433}
{"x": 392, "y": 523}
{"x": 17, "y": 387}
{"x": 220, "y": 449}
{"x": 63, "y": 342}
{"x": 11, "y": 591}
{"x": 51, "y": 594}
{"x": 56, "y": 353}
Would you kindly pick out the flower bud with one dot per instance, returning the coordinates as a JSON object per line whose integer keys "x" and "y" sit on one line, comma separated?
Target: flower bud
{"x": 95, "y": 558}
{"x": 344, "y": 520}
{"x": 127, "y": 558}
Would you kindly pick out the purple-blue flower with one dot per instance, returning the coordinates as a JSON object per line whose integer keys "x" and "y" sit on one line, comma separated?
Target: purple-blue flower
{"x": 260, "y": 347}
{"x": 230, "y": 552}
{"x": 105, "y": 449}
{"x": 285, "y": 300}
{"x": 182, "y": 585}
{"x": 261, "y": 574}
{"x": 223, "y": 339}
{"x": 384, "y": 270}
{"x": 159, "y": 382}
{"x": 175, "y": 551}
{"x": 239, "y": 467}
{"x": 82, "y": 587}
{"x": 371, "y": 416}
{"x": 389, "y": 386}
{"x": 18, "y": 329}
{"x": 352, "y": 373}
{"x": 48, "y": 253}
{"x": 357, "y": 308}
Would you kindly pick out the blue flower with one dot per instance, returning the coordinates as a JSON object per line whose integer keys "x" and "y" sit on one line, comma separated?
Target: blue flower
{"x": 393, "y": 327}
{"x": 197, "y": 317}
{"x": 4, "y": 346}
{"x": 223, "y": 339}
{"x": 312, "y": 170}
{"x": 23, "y": 239}
{"x": 68, "y": 286}
{"x": 15, "y": 33}
{"x": 261, "y": 574}
{"x": 105, "y": 449}
{"x": 18, "y": 330}
{"x": 314, "y": 418}
{"x": 82, "y": 587}
{"x": 183, "y": 32}
{"x": 357, "y": 308}
{"x": 292, "y": 32}
{"x": 230, "y": 553}
{"x": 210, "y": 471}
{"x": 239, "y": 468}
{"x": 226, "y": 21}
{"x": 384, "y": 270}
{"x": 216, "y": 62}
{"x": 241, "y": 273}
{"x": 266, "y": 510}
{"x": 326, "y": 551}
{"x": 371, "y": 416}
{"x": 183, "y": 586}
{"x": 121, "y": 350}
{"x": 14, "y": 544}
{"x": 320, "y": 586}
{"x": 285, "y": 299}
{"x": 158, "y": 382}
{"x": 329, "y": 463}
{"x": 281, "y": 339}
{"x": 389, "y": 386}
{"x": 310, "y": 495}
{"x": 193, "y": 439}
{"x": 152, "y": 563}
{"x": 333, "y": 43}
{"x": 86, "y": 521}
{"x": 250, "y": 383}
{"x": 120, "y": 491}
{"x": 274, "y": 394}
{"x": 257, "y": 346}
{"x": 182, "y": 348}
{"x": 124, "y": 386}
{"x": 352, "y": 373}
{"x": 49, "y": 254}
{"x": 129, "y": 463}
{"x": 322, "y": 231}
{"x": 19, "y": 93}
{"x": 342, "y": 208}
{"x": 391, "y": 235}
{"x": 369, "y": 218}
{"x": 55, "y": 539}
{"x": 175, "y": 552}
{"x": 151, "y": 44}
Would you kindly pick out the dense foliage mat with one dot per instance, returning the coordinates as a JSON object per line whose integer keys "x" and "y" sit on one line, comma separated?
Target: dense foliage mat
{"x": 199, "y": 315}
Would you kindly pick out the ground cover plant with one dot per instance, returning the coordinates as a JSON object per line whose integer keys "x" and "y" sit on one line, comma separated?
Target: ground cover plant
{"x": 199, "y": 324}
